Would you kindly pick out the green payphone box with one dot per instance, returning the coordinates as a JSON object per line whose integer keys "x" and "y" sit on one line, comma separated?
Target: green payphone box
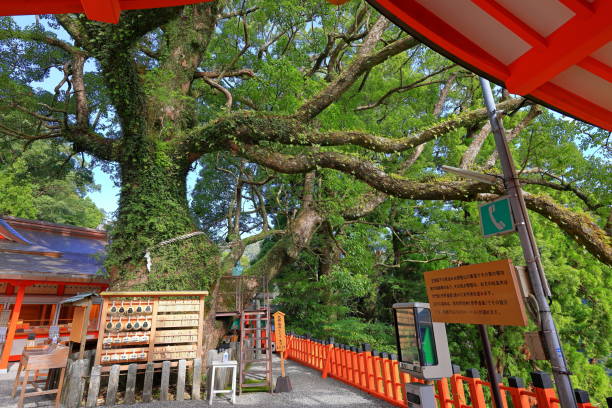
{"x": 422, "y": 344}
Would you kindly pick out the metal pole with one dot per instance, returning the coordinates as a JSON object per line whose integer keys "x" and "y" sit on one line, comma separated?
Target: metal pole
{"x": 493, "y": 376}
{"x": 531, "y": 254}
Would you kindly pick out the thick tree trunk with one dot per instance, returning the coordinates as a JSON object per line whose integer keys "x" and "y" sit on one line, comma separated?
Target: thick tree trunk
{"x": 329, "y": 253}
{"x": 153, "y": 209}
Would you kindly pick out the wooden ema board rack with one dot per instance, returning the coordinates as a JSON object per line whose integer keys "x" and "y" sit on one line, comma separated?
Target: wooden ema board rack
{"x": 145, "y": 327}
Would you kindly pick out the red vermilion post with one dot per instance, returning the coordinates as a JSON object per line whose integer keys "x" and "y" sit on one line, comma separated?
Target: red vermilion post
{"x": 369, "y": 368}
{"x": 314, "y": 354}
{"x": 387, "y": 379}
{"x": 336, "y": 363}
{"x": 355, "y": 365}
{"x": 329, "y": 354}
{"x": 288, "y": 351}
{"x": 306, "y": 351}
{"x": 10, "y": 334}
{"x": 324, "y": 351}
{"x": 349, "y": 365}
{"x": 287, "y": 344}
{"x": 363, "y": 377}
{"x": 473, "y": 379}
{"x": 405, "y": 378}
{"x": 516, "y": 389}
{"x": 301, "y": 345}
{"x": 398, "y": 393}
{"x": 443, "y": 394}
{"x": 544, "y": 391}
{"x": 378, "y": 379}
{"x": 343, "y": 364}
{"x": 503, "y": 395}
{"x": 457, "y": 387}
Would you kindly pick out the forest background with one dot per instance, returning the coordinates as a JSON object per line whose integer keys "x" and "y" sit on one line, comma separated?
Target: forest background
{"x": 318, "y": 133}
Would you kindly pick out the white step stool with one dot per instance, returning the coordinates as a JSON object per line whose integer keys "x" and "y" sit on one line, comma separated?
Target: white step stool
{"x": 223, "y": 364}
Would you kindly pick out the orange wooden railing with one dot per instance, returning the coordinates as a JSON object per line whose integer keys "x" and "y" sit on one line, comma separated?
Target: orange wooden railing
{"x": 378, "y": 374}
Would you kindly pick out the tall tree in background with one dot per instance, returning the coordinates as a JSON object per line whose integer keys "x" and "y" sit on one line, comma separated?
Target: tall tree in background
{"x": 293, "y": 87}
{"x": 44, "y": 181}
{"x": 319, "y": 130}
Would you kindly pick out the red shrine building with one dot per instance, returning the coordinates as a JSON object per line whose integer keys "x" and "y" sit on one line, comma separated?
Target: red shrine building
{"x": 41, "y": 264}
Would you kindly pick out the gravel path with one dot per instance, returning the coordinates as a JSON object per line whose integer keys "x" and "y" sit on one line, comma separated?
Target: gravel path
{"x": 309, "y": 390}
{"x": 6, "y": 386}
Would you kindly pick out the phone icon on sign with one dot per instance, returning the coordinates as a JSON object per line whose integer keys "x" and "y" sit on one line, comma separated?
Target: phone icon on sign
{"x": 500, "y": 225}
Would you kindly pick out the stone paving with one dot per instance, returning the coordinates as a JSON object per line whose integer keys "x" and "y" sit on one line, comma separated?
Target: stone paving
{"x": 6, "y": 386}
{"x": 309, "y": 390}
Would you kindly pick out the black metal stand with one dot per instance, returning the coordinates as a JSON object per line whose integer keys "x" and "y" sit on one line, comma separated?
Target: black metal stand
{"x": 486, "y": 345}
{"x": 283, "y": 384}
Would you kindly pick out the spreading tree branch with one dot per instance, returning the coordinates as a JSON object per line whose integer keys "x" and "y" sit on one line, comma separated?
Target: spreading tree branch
{"x": 41, "y": 37}
{"x": 229, "y": 99}
{"x": 533, "y": 113}
{"x": 254, "y": 128}
{"x": 366, "y": 59}
{"x": 243, "y": 72}
{"x": 584, "y": 231}
{"x": 420, "y": 82}
{"x": 348, "y": 37}
{"x": 563, "y": 186}
{"x": 472, "y": 151}
{"x": 237, "y": 13}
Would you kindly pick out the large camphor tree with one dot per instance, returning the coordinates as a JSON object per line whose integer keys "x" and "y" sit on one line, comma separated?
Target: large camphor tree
{"x": 287, "y": 87}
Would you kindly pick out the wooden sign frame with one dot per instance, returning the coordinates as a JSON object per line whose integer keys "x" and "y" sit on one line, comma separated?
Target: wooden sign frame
{"x": 279, "y": 331}
{"x": 486, "y": 293}
{"x": 176, "y": 321}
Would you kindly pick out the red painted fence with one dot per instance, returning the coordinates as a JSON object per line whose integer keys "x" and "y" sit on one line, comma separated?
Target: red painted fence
{"x": 378, "y": 374}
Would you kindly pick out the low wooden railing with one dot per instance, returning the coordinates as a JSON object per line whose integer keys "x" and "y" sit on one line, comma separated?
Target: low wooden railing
{"x": 82, "y": 386}
{"x": 378, "y": 374}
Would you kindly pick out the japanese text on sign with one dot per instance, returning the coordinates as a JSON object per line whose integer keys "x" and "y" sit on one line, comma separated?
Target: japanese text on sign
{"x": 279, "y": 331}
{"x": 486, "y": 293}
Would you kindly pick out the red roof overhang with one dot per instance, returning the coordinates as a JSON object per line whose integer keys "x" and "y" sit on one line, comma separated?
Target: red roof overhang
{"x": 106, "y": 11}
{"x": 557, "y": 52}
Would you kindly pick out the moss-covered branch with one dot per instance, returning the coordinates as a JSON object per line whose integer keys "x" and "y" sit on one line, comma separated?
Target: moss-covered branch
{"x": 583, "y": 230}
{"x": 253, "y": 128}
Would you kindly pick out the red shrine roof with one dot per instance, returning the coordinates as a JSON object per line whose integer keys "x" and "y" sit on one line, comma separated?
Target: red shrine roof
{"x": 31, "y": 249}
{"x": 557, "y": 52}
{"x": 101, "y": 10}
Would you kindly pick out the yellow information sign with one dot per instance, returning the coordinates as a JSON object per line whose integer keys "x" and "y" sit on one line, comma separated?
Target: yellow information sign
{"x": 279, "y": 331}
{"x": 486, "y": 293}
